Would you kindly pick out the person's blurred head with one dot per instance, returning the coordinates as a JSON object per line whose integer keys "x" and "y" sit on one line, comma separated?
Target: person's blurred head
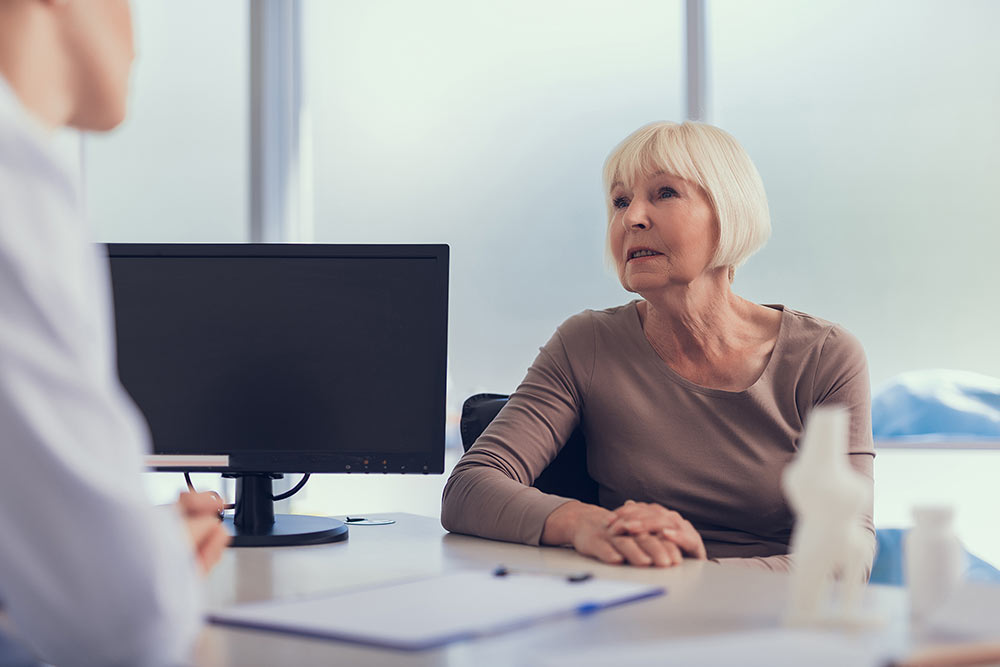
{"x": 68, "y": 60}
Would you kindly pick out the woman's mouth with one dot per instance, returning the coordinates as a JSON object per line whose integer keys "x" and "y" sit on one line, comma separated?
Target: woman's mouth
{"x": 644, "y": 252}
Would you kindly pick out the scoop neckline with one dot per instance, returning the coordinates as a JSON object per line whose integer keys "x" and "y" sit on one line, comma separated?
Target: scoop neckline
{"x": 677, "y": 378}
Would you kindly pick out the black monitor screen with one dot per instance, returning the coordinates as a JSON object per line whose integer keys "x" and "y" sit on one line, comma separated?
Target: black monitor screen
{"x": 287, "y": 358}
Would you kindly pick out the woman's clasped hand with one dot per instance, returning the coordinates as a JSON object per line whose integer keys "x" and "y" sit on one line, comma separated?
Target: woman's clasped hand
{"x": 672, "y": 532}
{"x": 642, "y": 534}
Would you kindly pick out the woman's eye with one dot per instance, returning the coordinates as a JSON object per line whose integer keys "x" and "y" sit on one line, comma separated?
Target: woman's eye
{"x": 667, "y": 193}
{"x": 620, "y": 202}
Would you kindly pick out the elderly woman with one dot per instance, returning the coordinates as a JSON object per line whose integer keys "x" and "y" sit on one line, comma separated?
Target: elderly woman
{"x": 691, "y": 399}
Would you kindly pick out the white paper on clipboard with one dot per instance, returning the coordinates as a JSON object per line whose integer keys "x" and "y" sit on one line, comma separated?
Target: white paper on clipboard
{"x": 430, "y": 612}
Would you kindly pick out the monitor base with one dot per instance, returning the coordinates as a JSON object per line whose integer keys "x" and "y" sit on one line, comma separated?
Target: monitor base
{"x": 290, "y": 530}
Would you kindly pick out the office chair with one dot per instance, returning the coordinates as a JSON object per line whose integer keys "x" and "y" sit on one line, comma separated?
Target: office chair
{"x": 566, "y": 476}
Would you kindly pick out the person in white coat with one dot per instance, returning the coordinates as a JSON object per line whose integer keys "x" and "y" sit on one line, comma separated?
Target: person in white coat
{"x": 90, "y": 572}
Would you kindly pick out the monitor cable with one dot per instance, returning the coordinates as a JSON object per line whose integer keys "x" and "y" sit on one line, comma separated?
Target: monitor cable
{"x": 295, "y": 489}
{"x": 281, "y": 496}
{"x": 190, "y": 485}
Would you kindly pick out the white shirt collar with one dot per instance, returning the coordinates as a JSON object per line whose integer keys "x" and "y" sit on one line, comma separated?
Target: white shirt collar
{"x": 14, "y": 114}
{"x": 5, "y": 92}
{"x": 11, "y": 106}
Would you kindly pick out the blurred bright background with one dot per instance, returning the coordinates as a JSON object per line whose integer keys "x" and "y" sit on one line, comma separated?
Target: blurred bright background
{"x": 485, "y": 126}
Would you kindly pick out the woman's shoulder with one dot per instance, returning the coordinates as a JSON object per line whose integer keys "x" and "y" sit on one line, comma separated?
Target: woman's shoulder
{"x": 817, "y": 336}
{"x": 588, "y": 322}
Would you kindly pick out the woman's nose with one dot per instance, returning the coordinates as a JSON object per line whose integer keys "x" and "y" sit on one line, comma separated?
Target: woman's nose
{"x": 635, "y": 217}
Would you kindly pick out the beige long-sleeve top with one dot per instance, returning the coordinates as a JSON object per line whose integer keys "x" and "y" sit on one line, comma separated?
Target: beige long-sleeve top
{"x": 714, "y": 456}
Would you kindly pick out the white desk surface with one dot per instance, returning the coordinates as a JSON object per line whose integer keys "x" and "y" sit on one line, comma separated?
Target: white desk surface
{"x": 702, "y": 598}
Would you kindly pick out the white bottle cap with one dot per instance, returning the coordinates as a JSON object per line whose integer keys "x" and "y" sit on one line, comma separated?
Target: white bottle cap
{"x": 933, "y": 515}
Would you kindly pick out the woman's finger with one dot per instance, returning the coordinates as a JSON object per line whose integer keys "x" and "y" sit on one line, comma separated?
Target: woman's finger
{"x": 688, "y": 539}
{"x": 649, "y": 523}
{"x": 605, "y": 552}
{"x": 634, "y": 509}
{"x": 626, "y": 526}
{"x": 634, "y": 554}
{"x": 699, "y": 552}
{"x": 657, "y": 549}
{"x": 673, "y": 553}
{"x": 630, "y": 506}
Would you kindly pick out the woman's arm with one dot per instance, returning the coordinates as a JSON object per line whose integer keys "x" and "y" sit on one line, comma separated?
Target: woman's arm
{"x": 489, "y": 492}
{"x": 842, "y": 379}
{"x": 778, "y": 563}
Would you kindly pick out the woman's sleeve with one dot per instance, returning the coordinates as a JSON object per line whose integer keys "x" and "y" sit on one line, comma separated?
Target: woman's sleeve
{"x": 489, "y": 493}
{"x": 841, "y": 379}
{"x": 778, "y": 563}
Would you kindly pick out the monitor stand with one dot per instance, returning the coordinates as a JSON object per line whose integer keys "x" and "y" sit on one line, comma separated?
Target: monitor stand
{"x": 254, "y": 523}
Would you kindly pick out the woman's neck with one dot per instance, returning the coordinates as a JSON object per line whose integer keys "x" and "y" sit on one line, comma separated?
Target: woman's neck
{"x": 696, "y": 322}
{"x": 708, "y": 334}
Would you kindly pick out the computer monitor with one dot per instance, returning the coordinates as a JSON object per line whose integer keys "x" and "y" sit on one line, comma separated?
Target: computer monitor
{"x": 255, "y": 360}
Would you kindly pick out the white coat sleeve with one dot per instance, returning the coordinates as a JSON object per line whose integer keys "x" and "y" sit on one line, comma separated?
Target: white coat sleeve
{"x": 90, "y": 572}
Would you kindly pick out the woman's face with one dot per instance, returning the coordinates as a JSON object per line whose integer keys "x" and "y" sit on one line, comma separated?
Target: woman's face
{"x": 663, "y": 232}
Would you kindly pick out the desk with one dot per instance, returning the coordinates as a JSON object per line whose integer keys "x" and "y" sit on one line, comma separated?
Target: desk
{"x": 702, "y": 598}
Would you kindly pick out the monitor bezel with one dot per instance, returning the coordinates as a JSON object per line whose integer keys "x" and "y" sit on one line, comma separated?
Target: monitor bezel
{"x": 283, "y": 461}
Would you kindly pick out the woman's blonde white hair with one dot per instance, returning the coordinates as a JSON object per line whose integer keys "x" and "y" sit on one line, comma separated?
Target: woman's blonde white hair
{"x": 710, "y": 158}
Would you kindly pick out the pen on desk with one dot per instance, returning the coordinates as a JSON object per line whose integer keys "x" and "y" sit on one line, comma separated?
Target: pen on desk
{"x": 572, "y": 577}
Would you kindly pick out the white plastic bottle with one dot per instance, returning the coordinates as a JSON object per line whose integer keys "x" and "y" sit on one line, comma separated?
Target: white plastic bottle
{"x": 934, "y": 559}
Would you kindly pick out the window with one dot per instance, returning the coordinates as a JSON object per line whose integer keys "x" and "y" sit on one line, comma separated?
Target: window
{"x": 486, "y": 127}
{"x": 176, "y": 170}
{"x": 873, "y": 126}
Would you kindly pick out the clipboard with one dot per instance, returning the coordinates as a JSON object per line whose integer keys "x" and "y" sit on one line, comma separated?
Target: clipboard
{"x": 431, "y": 612}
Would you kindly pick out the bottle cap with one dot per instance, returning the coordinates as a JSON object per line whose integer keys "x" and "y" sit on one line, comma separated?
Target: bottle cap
{"x": 934, "y": 515}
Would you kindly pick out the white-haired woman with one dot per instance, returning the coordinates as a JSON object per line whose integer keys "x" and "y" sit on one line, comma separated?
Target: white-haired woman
{"x": 691, "y": 399}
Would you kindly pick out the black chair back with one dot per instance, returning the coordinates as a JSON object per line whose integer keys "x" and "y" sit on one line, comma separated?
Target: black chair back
{"x": 566, "y": 476}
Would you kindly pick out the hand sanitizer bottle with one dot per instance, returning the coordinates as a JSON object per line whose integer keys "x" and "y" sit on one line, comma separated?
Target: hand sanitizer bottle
{"x": 935, "y": 559}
